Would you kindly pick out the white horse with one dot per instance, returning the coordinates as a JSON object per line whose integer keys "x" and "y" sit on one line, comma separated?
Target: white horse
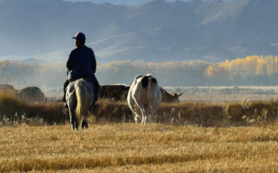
{"x": 79, "y": 97}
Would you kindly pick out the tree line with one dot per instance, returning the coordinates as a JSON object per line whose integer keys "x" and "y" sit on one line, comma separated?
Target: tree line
{"x": 251, "y": 70}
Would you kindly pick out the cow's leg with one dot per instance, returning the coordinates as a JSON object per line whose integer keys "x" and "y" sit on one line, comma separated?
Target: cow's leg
{"x": 152, "y": 109}
{"x": 136, "y": 118}
{"x": 146, "y": 115}
{"x": 148, "y": 109}
{"x": 143, "y": 120}
{"x": 143, "y": 112}
{"x": 141, "y": 107}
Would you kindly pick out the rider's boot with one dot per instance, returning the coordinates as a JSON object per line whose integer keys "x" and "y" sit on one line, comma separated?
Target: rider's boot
{"x": 63, "y": 99}
{"x": 95, "y": 104}
{"x": 65, "y": 106}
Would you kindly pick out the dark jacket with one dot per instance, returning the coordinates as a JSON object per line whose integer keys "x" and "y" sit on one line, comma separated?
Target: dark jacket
{"x": 81, "y": 63}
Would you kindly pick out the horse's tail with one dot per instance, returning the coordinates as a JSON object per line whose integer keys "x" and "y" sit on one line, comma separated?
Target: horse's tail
{"x": 84, "y": 98}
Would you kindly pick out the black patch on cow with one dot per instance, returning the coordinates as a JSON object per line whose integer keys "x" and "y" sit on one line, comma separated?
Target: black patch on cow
{"x": 145, "y": 81}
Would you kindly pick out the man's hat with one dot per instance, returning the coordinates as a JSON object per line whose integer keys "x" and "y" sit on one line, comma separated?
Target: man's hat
{"x": 80, "y": 36}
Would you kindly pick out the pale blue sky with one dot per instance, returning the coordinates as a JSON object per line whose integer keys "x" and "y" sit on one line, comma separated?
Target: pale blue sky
{"x": 130, "y": 2}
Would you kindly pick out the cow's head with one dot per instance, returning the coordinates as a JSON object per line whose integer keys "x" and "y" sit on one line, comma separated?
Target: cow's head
{"x": 176, "y": 97}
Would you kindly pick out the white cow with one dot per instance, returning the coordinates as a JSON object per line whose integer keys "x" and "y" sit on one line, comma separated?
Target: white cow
{"x": 144, "y": 93}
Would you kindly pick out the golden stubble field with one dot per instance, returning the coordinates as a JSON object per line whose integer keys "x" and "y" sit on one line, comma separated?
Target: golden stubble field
{"x": 129, "y": 147}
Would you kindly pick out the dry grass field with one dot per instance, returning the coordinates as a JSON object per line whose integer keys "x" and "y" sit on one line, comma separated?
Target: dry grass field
{"x": 129, "y": 147}
{"x": 186, "y": 137}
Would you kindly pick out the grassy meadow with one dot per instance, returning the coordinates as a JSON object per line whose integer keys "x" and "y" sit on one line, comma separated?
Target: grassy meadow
{"x": 185, "y": 137}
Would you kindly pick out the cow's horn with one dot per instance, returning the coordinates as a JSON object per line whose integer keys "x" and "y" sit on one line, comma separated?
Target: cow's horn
{"x": 180, "y": 94}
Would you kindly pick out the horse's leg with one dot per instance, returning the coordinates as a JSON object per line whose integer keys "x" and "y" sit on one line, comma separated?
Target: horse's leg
{"x": 84, "y": 123}
{"x": 72, "y": 119}
{"x": 71, "y": 101}
{"x": 76, "y": 122}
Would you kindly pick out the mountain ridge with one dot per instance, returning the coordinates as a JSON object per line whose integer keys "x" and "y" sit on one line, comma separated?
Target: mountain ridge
{"x": 37, "y": 28}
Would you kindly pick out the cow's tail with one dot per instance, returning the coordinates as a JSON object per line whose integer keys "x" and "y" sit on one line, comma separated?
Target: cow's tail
{"x": 152, "y": 81}
{"x": 84, "y": 98}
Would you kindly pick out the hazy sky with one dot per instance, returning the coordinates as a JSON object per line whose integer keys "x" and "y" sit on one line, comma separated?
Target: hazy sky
{"x": 131, "y": 2}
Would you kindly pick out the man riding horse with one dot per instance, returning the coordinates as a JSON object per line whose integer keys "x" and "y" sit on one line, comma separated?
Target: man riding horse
{"x": 81, "y": 64}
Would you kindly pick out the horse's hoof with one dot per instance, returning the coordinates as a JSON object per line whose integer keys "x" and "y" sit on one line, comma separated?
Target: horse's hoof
{"x": 84, "y": 125}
